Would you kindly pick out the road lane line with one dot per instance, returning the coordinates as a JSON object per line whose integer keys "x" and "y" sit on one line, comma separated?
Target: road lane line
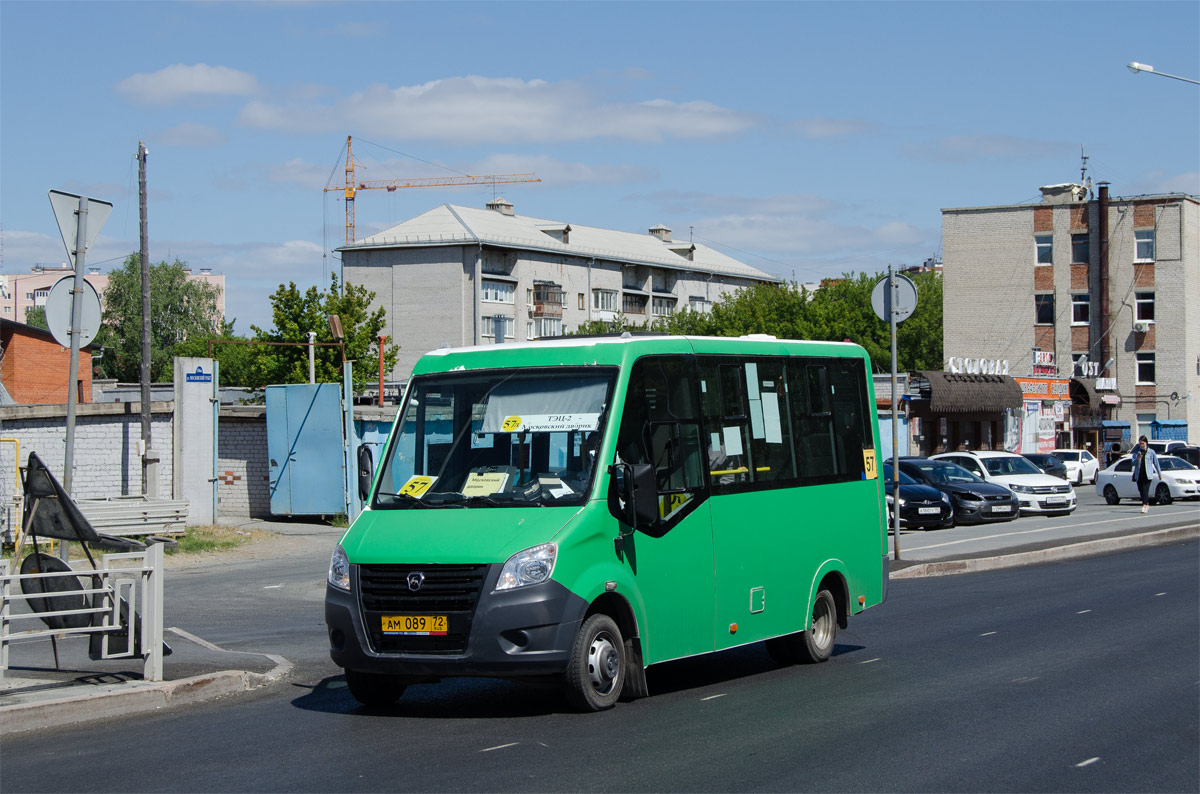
{"x": 713, "y": 697}
{"x": 499, "y": 747}
{"x": 988, "y": 633}
{"x": 1083, "y": 612}
{"x": 1088, "y": 762}
{"x": 876, "y": 659}
{"x": 1156, "y": 595}
{"x": 975, "y": 538}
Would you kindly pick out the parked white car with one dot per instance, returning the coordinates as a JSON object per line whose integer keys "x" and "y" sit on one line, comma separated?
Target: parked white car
{"x": 1165, "y": 447}
{"x": 1180, "y": 480}
{"x": 1081, "y": 464}
{"x": 1037, "y": 491}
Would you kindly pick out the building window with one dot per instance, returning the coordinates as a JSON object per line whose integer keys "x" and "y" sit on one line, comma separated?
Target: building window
{"x": 1143, "y": 307}
{"x": 581, "y": 299}
{"x": 1081, "y": 309}
{"x": 604, "y": 300}
{"x": 633, "y": 304}
{"x": 699, "y": 304}
{"x": 1045, "y": 248}
{"x": 1144, "y": 242}
{"x": 1044, "y": 309}
{"x": 498, "y": 292}
{"x": 664, "y": 307}
{"x": 1080, "y": 249}
{"x": 545, "y": 326}
{"x": 1145, "y": 368}
{"x": 490, "y": 325}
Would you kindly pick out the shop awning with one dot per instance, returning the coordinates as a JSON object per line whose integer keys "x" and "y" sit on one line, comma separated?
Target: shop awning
{"x": 950, "y": 393}
{"x": 1083, "y": 392}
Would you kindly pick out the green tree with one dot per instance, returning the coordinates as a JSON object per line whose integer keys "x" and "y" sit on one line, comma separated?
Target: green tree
{"x": 180, "y": 309}
{"x": 295, "y": 314}
{"x": 36, "y": 316}
{"x": 240, "y": 362}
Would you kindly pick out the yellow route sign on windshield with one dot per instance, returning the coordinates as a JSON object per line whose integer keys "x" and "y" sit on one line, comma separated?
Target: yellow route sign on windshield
{"x": 417, "y": 486}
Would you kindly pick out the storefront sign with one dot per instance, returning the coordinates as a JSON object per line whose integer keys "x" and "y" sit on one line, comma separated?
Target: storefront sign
{"x": 977, "y": 366}
{"x": 1043, "y": 363}
{"x": 1045, "y": 388}
{"x": 1106, "y": 384}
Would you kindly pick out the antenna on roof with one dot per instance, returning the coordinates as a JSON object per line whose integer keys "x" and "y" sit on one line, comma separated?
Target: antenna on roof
{"x": 1084, "y": 181}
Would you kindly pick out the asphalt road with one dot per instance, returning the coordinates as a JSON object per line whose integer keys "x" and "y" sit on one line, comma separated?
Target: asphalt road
{"x": 1074, "y": 676}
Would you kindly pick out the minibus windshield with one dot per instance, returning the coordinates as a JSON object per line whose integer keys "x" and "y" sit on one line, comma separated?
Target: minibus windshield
{"x": 497, "y": 438}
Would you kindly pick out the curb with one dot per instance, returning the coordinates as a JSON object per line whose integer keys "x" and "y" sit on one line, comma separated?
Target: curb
{"x": 1085, "y": 549}
{"x": 135, "y": 697}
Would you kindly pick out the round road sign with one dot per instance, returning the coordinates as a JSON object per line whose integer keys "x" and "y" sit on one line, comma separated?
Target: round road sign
{"x": 58, "y": 312}
{"x": 903, "y": 299}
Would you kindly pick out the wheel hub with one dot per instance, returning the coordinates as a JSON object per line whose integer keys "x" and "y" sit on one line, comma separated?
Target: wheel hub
{"x": 604, "y": 663}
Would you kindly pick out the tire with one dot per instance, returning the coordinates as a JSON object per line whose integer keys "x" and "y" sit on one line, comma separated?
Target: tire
{"x": 374, "y": 689}
{"x": 1162, "y": 494}
{"x": 1079, "y": 482}
{"x": 596, "y": 671}
{"x": 1110, "y": 495}
{"x": 814, "y": 645}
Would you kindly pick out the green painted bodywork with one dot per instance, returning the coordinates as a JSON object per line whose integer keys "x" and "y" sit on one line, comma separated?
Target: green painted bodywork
{"x": 752, "y": 559}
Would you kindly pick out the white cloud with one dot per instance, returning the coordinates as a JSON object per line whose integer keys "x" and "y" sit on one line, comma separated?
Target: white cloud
{"x": 181, "y": 82}
{"x": 559, "y": 173}
{"x": 190, "y": 134}
{"x": 499, "y": 110}
{"x": 1155, "y": 182}
{"x": 681, "y": 203}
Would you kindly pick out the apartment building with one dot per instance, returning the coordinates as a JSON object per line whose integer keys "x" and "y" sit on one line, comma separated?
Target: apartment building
{"x": 20, "y": 292}
{"x": 458, "y": 276}
{"x": 1097, "y": 292}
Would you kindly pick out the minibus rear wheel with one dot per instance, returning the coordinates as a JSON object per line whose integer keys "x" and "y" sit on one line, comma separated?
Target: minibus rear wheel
{"x": 814, "y": 645}
{"x": 374, "y": 689}
{"x": 596, "y": 671}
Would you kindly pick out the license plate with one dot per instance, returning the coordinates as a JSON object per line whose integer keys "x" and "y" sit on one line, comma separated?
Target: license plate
{"x": 927, "y": 511}
{"x": 414, "y": 625}
{"x": 1054, "y": 500}
{"x": 1002, "y": 509}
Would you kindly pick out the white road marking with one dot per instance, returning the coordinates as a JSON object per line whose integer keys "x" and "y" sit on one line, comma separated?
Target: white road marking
{"x": 499, "y": 747}
{"x": 712, "y": 697}
{"x": 988, "y": 633}
{"x": 974, "y": 538}
{"x": 876, "y": 659}
{"x": 1025, "y": 680}
{"x": 1156, "y": 595}
{"x": 272, "y": 587}
{"x": 1083, "y": 612}
{"x": 1088, "y": 762}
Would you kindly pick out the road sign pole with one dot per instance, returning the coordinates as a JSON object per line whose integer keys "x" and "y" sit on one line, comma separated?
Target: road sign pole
{"x": 73, "y": 377}
{"x": 893, "y": 301}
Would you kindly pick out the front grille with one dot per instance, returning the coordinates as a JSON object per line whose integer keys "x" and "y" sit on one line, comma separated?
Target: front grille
{"x": 451, "y": 590}
{"x": 1044, "y": 489}
{"x": 998, "y": 497}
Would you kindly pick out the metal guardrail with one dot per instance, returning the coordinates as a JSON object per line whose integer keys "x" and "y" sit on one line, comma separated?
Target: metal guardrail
{"x": 125, "y": 596}
{"x": 135, "y": 515}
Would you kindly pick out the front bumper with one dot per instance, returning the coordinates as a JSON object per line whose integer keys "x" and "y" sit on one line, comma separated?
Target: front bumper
{"x": 984, "y": 512}
{"x": 517, "y": 633}
{"x": 1045, "y": 503}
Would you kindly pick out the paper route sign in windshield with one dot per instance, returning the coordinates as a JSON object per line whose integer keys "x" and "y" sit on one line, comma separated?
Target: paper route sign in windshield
{"x": 545, "y": 405}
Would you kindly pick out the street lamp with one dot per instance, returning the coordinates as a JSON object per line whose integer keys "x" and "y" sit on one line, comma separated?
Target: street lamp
{"x": 1136, "y": 67}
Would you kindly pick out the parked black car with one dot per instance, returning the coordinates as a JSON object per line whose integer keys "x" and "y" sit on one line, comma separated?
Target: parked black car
{"x": 1047, "y": 463}
{"x": 975, "y": 501}
{"x": 1190, "y": 454}
{"x": 921, "y": 506}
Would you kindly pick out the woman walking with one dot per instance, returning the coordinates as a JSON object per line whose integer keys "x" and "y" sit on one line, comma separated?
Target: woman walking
{"x": 1145, "y": 463}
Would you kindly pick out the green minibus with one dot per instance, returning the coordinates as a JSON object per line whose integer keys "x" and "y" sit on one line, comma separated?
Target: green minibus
{"x": 581, "y": 508}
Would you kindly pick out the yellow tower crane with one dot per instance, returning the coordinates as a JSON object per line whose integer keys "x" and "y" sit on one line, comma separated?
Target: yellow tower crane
{"x": 353, "y": 185}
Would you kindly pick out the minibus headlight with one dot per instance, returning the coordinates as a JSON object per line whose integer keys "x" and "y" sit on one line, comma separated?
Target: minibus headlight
{"x": 531, "y": 566}
{"x": 339, "y": 569}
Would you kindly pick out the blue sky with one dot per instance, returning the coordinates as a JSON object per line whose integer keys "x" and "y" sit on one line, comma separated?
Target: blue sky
{"x": 806, "y": 139}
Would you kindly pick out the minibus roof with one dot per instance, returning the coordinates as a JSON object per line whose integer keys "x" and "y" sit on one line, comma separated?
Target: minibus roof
{"x": 619, "y": 349}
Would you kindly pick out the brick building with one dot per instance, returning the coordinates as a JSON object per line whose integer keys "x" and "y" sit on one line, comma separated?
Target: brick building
{"x": 1099, "y": 292}
{"x": 35, "y": 368}
{"x": 461, "y": 276}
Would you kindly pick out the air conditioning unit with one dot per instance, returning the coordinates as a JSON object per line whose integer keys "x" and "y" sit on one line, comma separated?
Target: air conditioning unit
{"x": 1141, "y": 327}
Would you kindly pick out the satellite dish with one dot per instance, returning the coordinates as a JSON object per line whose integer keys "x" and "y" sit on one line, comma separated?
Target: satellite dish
{"x": 58, "y": 311}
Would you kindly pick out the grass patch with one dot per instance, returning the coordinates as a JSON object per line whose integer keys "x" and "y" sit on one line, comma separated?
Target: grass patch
{"x": 200, "y": 540}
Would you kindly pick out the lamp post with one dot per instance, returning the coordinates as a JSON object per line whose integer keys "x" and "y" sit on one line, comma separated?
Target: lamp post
{"x": 1136, "y": 67}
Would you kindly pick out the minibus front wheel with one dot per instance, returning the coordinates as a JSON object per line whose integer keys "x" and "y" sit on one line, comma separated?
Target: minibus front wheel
{"x": 374, "y": 689}
{"x": 814, "y": 645}
{"x": 596, "y": 671}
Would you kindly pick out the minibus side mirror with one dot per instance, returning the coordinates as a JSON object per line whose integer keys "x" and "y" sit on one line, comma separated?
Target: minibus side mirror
{"x": 366, "y": 471}
{"x": 632, "y": 496}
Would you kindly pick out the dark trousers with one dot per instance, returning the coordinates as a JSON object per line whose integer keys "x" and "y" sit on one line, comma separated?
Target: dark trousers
{"x": 1144, "y": 488}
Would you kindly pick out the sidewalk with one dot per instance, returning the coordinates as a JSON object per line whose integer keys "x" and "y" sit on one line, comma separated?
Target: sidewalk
{"x": 35, "y": 693}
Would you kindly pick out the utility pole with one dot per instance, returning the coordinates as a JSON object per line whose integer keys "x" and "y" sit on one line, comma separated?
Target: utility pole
{"x": 144, "y": 256}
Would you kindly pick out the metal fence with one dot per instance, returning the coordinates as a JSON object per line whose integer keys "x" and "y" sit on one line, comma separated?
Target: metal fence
{"x": 121, "y": 605}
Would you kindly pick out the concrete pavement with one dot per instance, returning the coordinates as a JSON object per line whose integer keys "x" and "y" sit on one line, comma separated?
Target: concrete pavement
{"x": 40, "y": 691}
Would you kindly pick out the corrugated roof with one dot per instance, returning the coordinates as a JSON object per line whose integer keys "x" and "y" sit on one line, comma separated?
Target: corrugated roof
{"x": 954, "y": 393}
{"x": 454, "y": 225}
